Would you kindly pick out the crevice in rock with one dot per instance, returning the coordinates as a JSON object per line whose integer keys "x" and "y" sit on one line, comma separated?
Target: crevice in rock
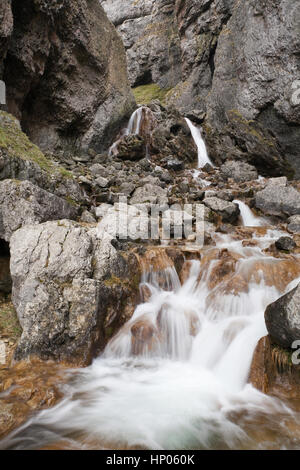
{"x": 5, "y": 277}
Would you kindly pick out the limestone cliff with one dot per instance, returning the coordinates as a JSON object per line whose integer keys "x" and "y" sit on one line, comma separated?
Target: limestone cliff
{"x": 65, "y": 71}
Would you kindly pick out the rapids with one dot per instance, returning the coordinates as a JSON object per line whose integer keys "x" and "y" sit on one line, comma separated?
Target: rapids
{"x": 176, "y": 375}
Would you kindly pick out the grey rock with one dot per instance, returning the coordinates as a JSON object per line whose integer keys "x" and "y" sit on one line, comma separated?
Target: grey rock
{"x": 22, "y": 203}
{"x": 278, "y": 200}
{"x": 285, "y": 244}
{"x": 239, "y": 171}
{"x": 102, "y": 182}
{"x": 251, "y": 101}
{"x": 283, "y": 319}
{"x": 228, "y": 211}
{"x": 79, "y": 103}
{"x": 151, "y": 194}
{"x": 294, "y": 224}
{"x": 58, "y": 271}
{"x": 87, "y": 217}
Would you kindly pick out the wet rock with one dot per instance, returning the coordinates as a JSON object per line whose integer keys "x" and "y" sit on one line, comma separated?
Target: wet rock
{"x": 278, "y": 200}
{"x": 285, "y": 244}
{"x": 273, "y": 372}
{"x": 283, "y": 319}
{"x": 239, "y": 171}
{"x": 22, "y": 203}
{"x": 143, "y": 337}
{"x": 228, "y": 211}
{"x": 294, "y": 224}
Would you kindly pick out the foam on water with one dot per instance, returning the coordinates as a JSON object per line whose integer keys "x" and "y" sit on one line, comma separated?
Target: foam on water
{"x": 186, "y": 387}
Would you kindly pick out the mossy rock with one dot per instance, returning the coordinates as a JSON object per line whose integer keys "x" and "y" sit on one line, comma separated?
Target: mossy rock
{"x": 16, "y": 144}
{"x": 144, "y": 94}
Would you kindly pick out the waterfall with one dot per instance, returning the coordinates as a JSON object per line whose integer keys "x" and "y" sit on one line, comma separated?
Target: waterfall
{"x": 141, "y": 122}
{"x": 175, "y": 376}
{"x": 203, "y": 157}
{"x": 247, "y": 216}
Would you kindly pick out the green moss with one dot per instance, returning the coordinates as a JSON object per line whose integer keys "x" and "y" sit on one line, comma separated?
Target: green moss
{"x": 16, "y": 144}
{"x": 144, "y": 94}
{"x": 9, "y": 323}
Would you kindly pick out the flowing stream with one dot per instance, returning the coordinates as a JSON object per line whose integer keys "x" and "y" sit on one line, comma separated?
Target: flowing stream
{"x": 176, "y": 375}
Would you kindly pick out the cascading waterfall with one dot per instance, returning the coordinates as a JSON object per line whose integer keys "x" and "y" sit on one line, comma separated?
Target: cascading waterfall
{"x": 203, "y": 157}
{"x": 175, "y": 376}
{"x": 140, "y": 123}
{"x": 247, "y": 216}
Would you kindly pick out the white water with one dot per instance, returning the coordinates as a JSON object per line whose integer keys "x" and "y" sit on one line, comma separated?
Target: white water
{"x": 203, "y": 157}
{"x": 133, "y": 126}
{"x": 247, "y": 216}
{"x": 184, "y": 387}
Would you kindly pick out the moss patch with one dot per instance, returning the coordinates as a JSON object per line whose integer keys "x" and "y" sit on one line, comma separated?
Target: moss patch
{"x": 16, "y": 144}
{"x": 144, "y": 94}
{"x": 9, "y": 323}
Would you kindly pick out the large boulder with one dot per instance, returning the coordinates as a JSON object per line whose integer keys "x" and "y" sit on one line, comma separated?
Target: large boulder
{"x": 65, "y": 72}
{"x": 70, "y": 290}
{"x": 229, "y": 211}
{"x": 22, "y": 203}
{"x": 283, "y": 319}
{"x": 279, "y": 200}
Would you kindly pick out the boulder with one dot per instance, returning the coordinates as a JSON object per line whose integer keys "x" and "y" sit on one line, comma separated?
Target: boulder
{"x": 294, "y": 224}
{"x": 228, "y": 211}
{"x": 151, "y": 194}
{"x": 239, "y": 171}
{"x": 69, "y": 288}
{"x": 283, "y": 319}
{"x": 22, "y": 203}
{"x": 278, "y": 200}
{"x": 285, "y": 244}
{"x": 131, "y": 147}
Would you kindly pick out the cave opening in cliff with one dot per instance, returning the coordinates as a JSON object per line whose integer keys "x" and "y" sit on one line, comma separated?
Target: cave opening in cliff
{"x": 5, "y": 276}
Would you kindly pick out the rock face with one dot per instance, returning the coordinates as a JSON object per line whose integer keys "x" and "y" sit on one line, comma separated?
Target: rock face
{"x": 6, "y": 26}
{"x": 283, "y": 319}
{"x": 65, "y": 72}
{"x": 22, "y": 203}
{"x": 251, "y": 101}
{"x": 68, "y": 287}
{"x": 150, "y": 35}
{"x": 250, "y": 108}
